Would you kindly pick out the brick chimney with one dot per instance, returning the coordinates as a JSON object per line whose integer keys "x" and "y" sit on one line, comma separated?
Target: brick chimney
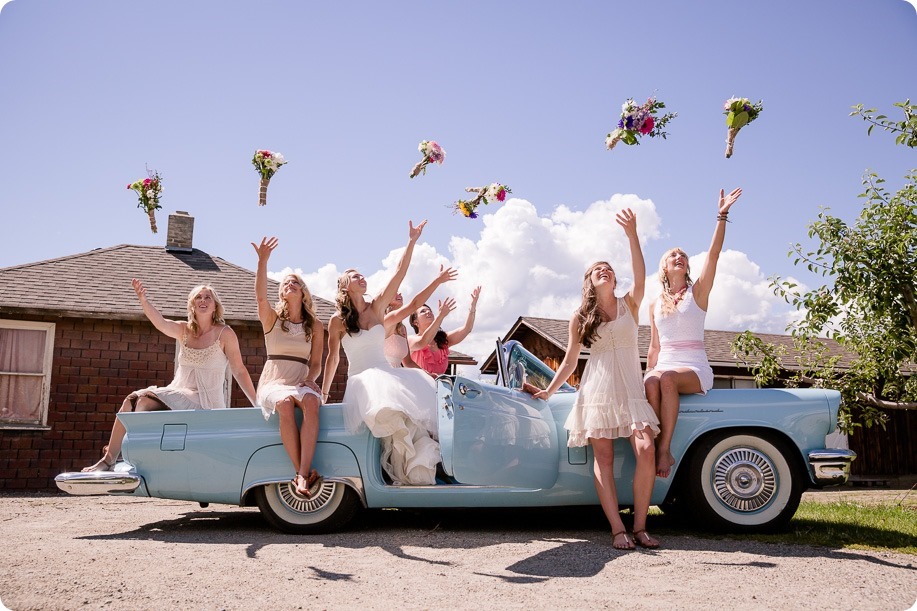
{"x": 181, "y": 232}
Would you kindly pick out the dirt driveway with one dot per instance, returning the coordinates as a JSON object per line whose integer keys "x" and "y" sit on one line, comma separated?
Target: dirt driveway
{"x": 62, "y": 552}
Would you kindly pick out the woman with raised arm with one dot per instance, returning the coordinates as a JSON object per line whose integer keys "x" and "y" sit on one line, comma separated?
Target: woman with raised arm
{"x": 294, "y": 338}
{"x": 430, "y": 344}
{"x": 396, "y": 338}
{"x": 611, "y": 403}
{"x": 677, "y": 361}
{"x": 397, "y": 405}
{"x": 207, "y": 346}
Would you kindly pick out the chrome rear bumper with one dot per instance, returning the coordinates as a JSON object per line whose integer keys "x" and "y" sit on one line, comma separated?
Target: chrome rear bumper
{"x": 98, "y": 482}
{"x": 830, "y": 467}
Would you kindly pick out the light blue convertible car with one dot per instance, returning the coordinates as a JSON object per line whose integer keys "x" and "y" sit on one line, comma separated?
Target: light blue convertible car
{"x": 744, "y": 457}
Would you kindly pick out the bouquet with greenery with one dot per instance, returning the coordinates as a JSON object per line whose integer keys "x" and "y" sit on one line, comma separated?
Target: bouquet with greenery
{"x": 432, "y": 153}
{"x": 637, "y": 121}
{"x": 266, "y": 164}
{"x": 149, "y": 190}
{"x": 739, "y": 113}
{"x": 494, "y": 192}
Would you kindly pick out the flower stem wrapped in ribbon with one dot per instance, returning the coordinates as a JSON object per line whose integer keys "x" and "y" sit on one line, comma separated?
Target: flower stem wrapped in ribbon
{"x": 637, "y": 121}
{"x": 149, "y": 190}
{"x": 739, "y": 113}
{"x": 494, "y": 192}
{"x": 432, "y": 153}
{"x": 266, "y": 164}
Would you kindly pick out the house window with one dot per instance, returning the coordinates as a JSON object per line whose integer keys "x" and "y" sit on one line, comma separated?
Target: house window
{"x": 734, "y": 382}
{"x": 26, "y": 352}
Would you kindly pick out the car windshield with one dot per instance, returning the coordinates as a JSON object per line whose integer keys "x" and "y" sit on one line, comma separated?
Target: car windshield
{"x": 525, "y": 367}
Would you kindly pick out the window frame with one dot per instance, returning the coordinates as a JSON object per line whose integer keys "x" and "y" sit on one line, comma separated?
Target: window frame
{"x": 47, "y": 365}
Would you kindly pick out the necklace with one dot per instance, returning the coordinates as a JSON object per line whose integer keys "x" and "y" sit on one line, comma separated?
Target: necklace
{"x": 679, "y": 295}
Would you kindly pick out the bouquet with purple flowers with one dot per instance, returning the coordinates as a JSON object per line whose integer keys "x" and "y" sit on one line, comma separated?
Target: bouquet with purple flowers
{"x": 148, "y": 190}
{"x": 432, "y": 153}
{"x": 492, "y": 192}
{"x": 739, "y": 113}
{"x": 639, "y": 121}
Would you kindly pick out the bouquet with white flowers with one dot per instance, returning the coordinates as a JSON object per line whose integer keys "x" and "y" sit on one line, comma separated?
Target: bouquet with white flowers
{"x": 266, "y": 164}
{"x": 432, "y": 153}
{"x": 494, "y": 192}
{"x": 148, "y": 190}
{"x": 739, "y": 113}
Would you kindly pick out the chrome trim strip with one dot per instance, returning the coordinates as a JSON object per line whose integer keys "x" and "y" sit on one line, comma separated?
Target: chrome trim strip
{"x": 830, "y": 467}
{"x": 97, "y": 482}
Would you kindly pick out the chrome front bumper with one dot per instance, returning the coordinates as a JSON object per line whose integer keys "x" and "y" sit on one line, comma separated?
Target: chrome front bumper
{"x": 98, "y": 482}
{"x": 830, "y": 467}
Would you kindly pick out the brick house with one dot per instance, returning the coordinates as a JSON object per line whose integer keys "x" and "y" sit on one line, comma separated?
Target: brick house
{"x": 884, "y": 452}
{"x": 74, "y": 342}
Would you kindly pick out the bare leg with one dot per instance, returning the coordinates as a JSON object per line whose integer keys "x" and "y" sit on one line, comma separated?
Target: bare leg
{"x": 644, "y": 478}
{"x": 289, "y": 433}
{"x": 143, "y": 404}
{"x": 308, "y": 434}
{"x": 670, "y": 385}
{"x": 603, "y": 477}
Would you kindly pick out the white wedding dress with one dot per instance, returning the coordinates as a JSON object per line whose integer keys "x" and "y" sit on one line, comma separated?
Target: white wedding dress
{"x": 398, "y": 406}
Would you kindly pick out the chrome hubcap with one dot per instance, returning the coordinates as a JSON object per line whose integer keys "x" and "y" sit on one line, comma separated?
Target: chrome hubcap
{"x": 298, "y": 502}
{"x": 744, "y": 479}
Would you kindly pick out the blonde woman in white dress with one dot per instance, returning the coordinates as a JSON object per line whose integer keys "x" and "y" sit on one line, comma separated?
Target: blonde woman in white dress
{"x": 207, "y": 346}
{"x": 676, "y": 362}
{"x": 611, "y": 402}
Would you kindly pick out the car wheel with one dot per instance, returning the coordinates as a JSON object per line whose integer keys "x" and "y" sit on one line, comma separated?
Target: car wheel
{"x": 743, "y": 482}
{"x": 330, "y": 509}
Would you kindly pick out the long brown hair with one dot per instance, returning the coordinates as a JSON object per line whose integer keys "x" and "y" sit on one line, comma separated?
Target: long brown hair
{"x": 667, "y": 302}
{"x": 282, "y": 308}
{"x": 589, "y": 315}
{"x": 217, "y": 317}
{"x": 441, "y": 339}
{"x": 344, "y": 303}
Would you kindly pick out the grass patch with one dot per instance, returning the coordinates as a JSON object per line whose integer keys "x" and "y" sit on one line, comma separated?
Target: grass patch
{"x": 841, "y": 524}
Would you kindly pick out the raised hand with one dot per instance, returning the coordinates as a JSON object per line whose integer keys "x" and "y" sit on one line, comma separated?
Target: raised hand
{"x": 474, "y": 297}
{"x": 139, "y": 289}
{"x": 414, "y": 232}
{"x": 266, "y": 247}
{"x": 446, "y": 274}
{"x": 628, "y": 220}
{"x": 446, "y": 306}
{"x": 726, "y": 201}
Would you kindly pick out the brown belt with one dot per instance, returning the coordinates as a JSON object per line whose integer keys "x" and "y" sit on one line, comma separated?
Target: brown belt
{"x": 283, "y": 357}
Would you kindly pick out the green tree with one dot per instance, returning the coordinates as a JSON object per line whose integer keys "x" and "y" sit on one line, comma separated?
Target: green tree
{"x": 867, "y": 302}
{"x": 906, "y": 130}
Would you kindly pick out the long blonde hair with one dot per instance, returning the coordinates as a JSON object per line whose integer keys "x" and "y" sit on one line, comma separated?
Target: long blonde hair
{"x": 344, "y": 304}
{"x": 589, "y": 315}
{"x": 217, "y": 317}
{"x": 282, "y": 308}
{"x": 667, "y": 301}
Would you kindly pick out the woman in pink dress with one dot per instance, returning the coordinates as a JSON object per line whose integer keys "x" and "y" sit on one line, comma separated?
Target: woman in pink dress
{"x": 396, "y": 338}
{"x": 677, "y": 361}
{"x": 611, "y": 402}
{"x": 430, "y": 344}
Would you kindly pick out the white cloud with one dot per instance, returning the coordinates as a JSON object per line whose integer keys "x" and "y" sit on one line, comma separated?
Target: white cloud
{"x": 531, "y": 265}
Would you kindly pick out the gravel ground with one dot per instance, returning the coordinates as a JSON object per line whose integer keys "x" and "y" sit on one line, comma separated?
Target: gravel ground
{"x": 64, "y": 552}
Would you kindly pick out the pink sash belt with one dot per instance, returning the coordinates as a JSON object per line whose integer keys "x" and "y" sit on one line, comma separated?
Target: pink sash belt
{"x": 683, "y": 345}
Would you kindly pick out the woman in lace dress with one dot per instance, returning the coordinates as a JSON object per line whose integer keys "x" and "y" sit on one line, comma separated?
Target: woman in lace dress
{"x": 677, "y": 361}
{"x": 294, "y": 338}
{"x": 611, "y": 402}
{"x": 207, "y": 346}
{"x": 397, "y": 405}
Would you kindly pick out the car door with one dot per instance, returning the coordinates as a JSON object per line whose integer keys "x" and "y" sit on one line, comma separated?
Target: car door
{"x": 495, "y": 436}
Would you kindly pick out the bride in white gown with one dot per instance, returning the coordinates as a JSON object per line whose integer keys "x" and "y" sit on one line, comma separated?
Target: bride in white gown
{"x": 397, "y": 405}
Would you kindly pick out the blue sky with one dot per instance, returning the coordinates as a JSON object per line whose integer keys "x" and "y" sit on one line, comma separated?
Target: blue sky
{"x": 521, "y": 93}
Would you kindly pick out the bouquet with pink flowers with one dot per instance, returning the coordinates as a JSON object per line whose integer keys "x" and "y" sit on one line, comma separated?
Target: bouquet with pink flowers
{"x": 266, "y": 164}
{"x": 432, "y": 153}
{"x": 639, "y": 121}
{"x": 739, "y": 113}
{"x": 494, "y": 192}
{"x": 149, "y": 190}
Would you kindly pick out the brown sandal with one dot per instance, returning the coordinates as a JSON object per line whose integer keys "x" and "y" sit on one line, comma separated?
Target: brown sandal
{"x": 311, "y": 484}
{"x": 646, "y": 541}
{"x": 629, "y": 544}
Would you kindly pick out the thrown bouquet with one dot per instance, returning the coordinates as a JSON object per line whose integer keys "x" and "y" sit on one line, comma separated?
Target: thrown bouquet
{"x": 432, "y": 153}
{"x": 739, "y": 113}
{"x": 266, "y": 164}
{"x": 494, "y": 192}
{"x": 637, "y": 121}
{"x": 149, "y": 190}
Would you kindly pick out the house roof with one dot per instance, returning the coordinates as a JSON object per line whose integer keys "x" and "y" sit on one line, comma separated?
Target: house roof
{"x": 97, "y": 284}
{"x": 717, "y": 343}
